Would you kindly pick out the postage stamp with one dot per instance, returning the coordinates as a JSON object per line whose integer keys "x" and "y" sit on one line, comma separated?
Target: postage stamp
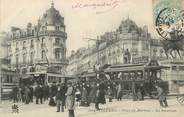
{"x": 169, "y": 18}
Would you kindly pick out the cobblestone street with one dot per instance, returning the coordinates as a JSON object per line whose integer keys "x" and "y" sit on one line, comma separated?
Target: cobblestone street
{"x": 114, "y": 109}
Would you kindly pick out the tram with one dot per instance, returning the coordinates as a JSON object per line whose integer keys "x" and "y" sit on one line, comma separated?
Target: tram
{"x": 133, "y": 77}
{"x": 45, "y": 78}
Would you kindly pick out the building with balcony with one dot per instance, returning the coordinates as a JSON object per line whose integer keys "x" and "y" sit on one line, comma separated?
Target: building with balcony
{"x": 128, "y": 44}
{"x": 8, "y": 78}
{"x": 43, "y": 44}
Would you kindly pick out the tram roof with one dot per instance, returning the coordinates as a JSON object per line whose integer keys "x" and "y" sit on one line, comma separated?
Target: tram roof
{"x": 91, "y": 74}
{"x": 132, "y": 67}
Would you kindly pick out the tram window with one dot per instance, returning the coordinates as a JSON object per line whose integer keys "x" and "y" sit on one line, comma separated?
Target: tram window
{"x": 181, "y": 68}
{"x": 174, "y": 68}
{"x": 49, "y": 79}
{"x": 10, "y": 79}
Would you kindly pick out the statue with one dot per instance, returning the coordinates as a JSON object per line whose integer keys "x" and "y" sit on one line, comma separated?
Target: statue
{"x": 127, "y": 57}
{"x": 175, "y": 43}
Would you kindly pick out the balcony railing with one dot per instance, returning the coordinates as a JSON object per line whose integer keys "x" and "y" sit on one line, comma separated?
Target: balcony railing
{"x": 58, "y": 33}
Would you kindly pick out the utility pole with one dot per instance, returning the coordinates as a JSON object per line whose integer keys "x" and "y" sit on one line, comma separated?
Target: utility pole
{"x": 97, "y": 45}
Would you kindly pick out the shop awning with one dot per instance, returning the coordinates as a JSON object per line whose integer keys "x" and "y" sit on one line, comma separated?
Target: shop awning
{"x": 93, "y": 74}
{"x": 128, "y": 68}
{"x": 36, "y": 73}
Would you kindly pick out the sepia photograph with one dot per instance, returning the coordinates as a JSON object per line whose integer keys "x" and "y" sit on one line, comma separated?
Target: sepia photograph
{"x": 92, "y": 58}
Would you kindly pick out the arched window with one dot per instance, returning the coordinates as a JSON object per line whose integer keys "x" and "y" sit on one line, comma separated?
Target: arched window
{"x": 43, "y": 56}
{"x": 17, "y": 59}
{"x": 57, "y": 53}
{"x": 24, "y": 44}
{"x": 32, "y": 44}
{"x": 57, "y": 40}
{"x": 31, "y": 57}
{"x": 42, "y": 41}
{"x": 24, "y": 57}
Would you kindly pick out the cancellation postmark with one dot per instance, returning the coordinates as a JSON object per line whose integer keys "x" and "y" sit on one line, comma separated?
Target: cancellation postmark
{"x": 169, "y": 20}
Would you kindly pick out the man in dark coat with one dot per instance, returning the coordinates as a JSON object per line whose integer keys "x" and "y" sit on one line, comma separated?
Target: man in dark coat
{"x": 161, "y": 97}
{"x": 14, "y": 94}
{"x": 60, "y": 97}
{"x": 38, "y": 94}
{"x": 27, "y": 95}
{"x": 53, "y": 92}
{"x": 31, "y": 93}
{"x": 46, "y": 89}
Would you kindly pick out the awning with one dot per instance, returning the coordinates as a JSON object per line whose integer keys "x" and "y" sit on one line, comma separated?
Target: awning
{"x": 124, "y": 69}
{"x": 89, "y": 74}
{"x": 36, "y": 73}
{"x": 128, "y": 68}
{"x": 156, "y": 67}
{"x": 26, "y": 76}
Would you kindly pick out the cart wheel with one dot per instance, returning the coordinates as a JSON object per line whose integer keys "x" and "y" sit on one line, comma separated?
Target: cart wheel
{"x": 180, "y": 99}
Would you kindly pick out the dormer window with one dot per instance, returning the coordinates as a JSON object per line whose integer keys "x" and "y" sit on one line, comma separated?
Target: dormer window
{"x": 57, "y": 27}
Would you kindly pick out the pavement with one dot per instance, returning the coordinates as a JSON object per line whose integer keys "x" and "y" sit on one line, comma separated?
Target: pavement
{"x": 124, "y": 108}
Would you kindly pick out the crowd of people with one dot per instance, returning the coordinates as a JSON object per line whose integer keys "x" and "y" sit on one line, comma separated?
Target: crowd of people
{"x": 70, "y": 94}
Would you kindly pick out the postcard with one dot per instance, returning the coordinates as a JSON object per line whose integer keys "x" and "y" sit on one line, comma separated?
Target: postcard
{"x": 92, "y": 58}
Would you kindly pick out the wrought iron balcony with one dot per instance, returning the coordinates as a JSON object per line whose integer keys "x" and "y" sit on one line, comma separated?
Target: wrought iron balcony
{"x": 52, "y": 33}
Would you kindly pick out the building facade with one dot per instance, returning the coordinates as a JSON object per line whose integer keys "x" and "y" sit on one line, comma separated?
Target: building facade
{"x": 128, "y": 44}
{"x": 41, "y": 47}
{"x": 8, "y": 78}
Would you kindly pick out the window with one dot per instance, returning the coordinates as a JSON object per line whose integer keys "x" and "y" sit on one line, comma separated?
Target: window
{"x": 32, "y": 44}
{"x": 42, "y": 42}
{"x": 17, "y": 46}
{"x": 43, "y": 56}
{"x": 17, "y": 59}
{"x": 57, "y": 40}
{"x": 57, "y": 27}
{"x": 9, "y": 79}
{"x": 174, "y": 68}
{"x": 24, "y": 44}
{"x": 24, "y": 57}
{"x": 181, "y": 68}
{"x": 57, "y": 53}
{"x": 31, "y": 57}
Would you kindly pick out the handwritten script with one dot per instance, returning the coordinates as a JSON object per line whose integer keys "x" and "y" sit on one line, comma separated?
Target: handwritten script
{"x": 107, "y": 5}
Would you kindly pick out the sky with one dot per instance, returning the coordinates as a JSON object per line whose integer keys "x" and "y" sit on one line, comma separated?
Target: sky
{"x": 82, "y": 19}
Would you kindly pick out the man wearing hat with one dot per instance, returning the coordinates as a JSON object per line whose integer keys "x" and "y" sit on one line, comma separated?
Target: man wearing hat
{"x": 60, "y": 97}
{"x": 161, "y": 96}
{"x": 70, "y": 99}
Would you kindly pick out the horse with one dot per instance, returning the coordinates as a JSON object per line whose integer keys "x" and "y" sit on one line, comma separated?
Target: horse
{"x": 169, "y": 46}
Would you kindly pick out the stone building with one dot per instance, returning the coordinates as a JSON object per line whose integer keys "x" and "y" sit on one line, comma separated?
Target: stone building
{"x": 128, "y": 44}
{"x": 40, "y": 48}
{"x": 8, "y": 78}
